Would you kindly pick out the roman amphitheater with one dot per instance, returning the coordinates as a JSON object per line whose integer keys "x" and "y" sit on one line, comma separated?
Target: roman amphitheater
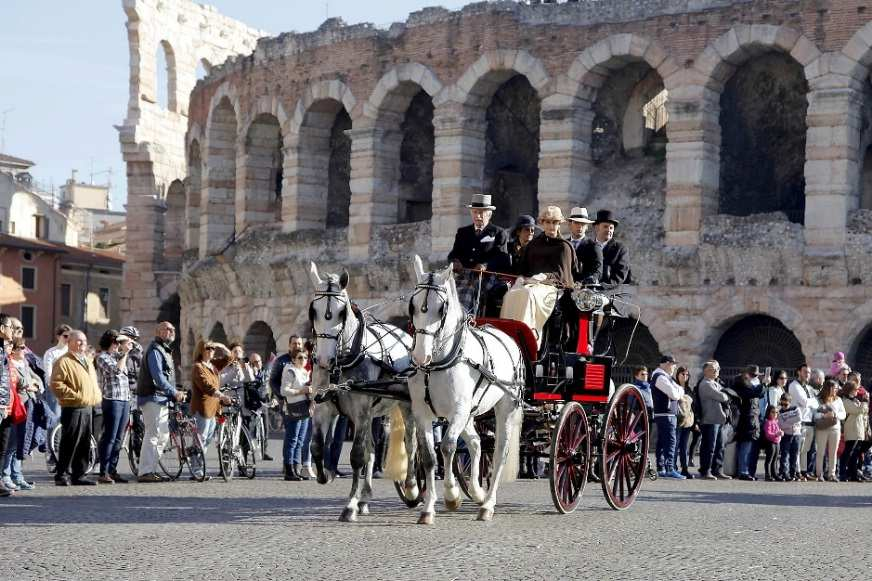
{"x": 732, "y": 138}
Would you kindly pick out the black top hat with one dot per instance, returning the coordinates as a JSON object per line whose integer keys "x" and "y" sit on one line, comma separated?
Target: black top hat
{"x": 605, "y": 216}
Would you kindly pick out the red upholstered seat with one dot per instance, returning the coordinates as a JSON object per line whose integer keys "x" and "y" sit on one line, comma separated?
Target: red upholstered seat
{"x": 521, "y": 333}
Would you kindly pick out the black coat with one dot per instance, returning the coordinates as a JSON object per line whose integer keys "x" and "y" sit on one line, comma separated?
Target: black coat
{"x": 590, "y": 260}
{"x": 490, "y": 248}
{"x": 616, "y": 263}
{"x": 749, "y": 409}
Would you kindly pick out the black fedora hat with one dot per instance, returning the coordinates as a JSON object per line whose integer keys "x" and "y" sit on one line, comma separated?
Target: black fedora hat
{"x": 605, "y": 216}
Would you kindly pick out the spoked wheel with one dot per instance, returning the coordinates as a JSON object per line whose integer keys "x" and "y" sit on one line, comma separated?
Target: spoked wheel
{"x": 171, "y": 461}
{"x": 247, "y": 455}
{"x": 624, "y": 444}
{"x": 462, "y": 466}
{"x": 134, "y": 442}
{"x": 93, "y": 455}
{"x": 226, "y": 459}
{"x": 195, "y": 455}
{"x": 420, "y": 480}
{"x": 570, "y": 457}
{"x": 53, "y": 448}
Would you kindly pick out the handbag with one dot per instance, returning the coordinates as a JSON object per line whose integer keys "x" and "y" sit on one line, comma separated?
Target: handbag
{"x": 19, "y": 414}
{"x": 826, "y": 422}
{"x": 298, "y": 410}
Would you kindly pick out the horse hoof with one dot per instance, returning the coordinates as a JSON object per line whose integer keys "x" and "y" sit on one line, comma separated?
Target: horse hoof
{"x": 485, "y": 514}
{"x": 363, "y": 508}
{"x": 348, "y": 515}
{"x": 426, "y": 518}
{"x": 453, "y": 505}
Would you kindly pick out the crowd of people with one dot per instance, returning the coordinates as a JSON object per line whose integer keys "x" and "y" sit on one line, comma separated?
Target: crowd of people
{"x": 807, "y": 425}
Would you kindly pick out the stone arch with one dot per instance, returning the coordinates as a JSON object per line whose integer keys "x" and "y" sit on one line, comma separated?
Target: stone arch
{"x": 260, "y": 339}
{"x": 217, "y": 213}
{"x": 194, "y": 188}
{"x": 860, "y": 356}
{"x": 169, "y": 97}
{"x": 217, "y": 333}
{"x": 760, "y": 340}
{"x": 262, "y": 167}
{"x": 174, "y": 225}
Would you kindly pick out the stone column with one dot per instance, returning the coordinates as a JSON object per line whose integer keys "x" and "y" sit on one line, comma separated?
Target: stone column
{"x": 458, "y": 164}
{"x": 375, "y": 154}
{"x": 692, "y": 162}
{"x": 565, "y": 163}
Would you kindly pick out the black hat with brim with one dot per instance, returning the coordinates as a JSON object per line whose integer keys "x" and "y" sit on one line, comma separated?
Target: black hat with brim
{"x": 606, "y": 216}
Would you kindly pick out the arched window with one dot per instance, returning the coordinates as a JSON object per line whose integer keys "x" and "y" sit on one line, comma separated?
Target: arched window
{"x": 166, "y": 77}
{"x": 263, "y": 171}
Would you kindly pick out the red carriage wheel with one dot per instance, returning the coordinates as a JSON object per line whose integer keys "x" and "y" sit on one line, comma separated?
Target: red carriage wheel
{"x": 624, "y": 451}
{"x": 570, "y": 457}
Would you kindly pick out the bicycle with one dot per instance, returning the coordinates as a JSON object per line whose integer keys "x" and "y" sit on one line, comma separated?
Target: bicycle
{"x": 54, "y": 448}
{"x": 184, "y": 447}
{"x": 132, "y": 441}
{"x": 235, "y": 448}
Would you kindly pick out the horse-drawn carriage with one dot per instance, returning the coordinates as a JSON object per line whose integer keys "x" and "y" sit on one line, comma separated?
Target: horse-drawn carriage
{"x": 482, "y": 376}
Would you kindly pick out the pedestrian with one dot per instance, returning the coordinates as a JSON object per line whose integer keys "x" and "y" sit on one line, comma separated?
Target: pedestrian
{"x": 665, "y": 394}
{"x": 62, "y": 335}
{"x": 803, "y": 398}
{"x": 790, "y": 422}
{"x": 712, "y": 402}
{"x": 772, "y": 434}
{"x": 74, "y": 382}
{"x": 828, "y": 430}
{"x": 7, "y": 395}
{"x": 295, "y": 344}
{"x": 134, "y": 356}
{"x": 748, "y": 432}
{"x": 640, "y": 380}
{"x": 26, "y": 385}
{"x": 261, "y": 398}
{"x": 111, "y": 364}
{"x": 206, "y": 396}
{"x": 839, "y": 362}
{"x": 856, "y": 433}
{"x": 155, "y": 388}
{"x": 688, "y": 425}
{"x": 295, "y": 390}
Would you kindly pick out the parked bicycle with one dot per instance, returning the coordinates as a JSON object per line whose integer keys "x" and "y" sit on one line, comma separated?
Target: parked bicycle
{"x": 257, "y": 414}
{"x": 236, "y": 450}
{"x": 132, "y": 442}
{"x": 184, "y": 447}
{"x": 54, "y": 451}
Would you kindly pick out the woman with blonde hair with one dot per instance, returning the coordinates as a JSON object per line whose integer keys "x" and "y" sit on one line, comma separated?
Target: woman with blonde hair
{"x": 206, "y": 396}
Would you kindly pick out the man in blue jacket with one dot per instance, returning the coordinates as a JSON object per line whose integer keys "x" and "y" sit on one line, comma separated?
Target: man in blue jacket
{"x": 155, "y": 388}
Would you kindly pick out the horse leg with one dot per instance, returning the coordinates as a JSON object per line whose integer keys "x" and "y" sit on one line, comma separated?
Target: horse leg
{"x": 507, "y": 415}
{"x": 473, "y": 447}
{"x": 410, "y": 489}
{"x": 428, "y": 458}
{"x": 369, "y": 455}
{"x": 358, "y": 463}
{"x": 453, "y": 495}
{"x": 322, "y": 437}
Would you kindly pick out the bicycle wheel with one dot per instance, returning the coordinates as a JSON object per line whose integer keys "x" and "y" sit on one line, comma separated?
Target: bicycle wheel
{"x": 172, "y": 459}
{"x": 93, "y": 455}
{"x": 226, "y": 459}
{"x": 195, "y": 456}
{"x": 53, "y": 448}
{"x": 259, "y": 436}
{"x": 135, "y": 431}
{"x": 247, "y": 454}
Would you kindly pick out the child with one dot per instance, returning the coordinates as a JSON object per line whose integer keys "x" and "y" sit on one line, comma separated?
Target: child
{"x": 790, "y": 422}
{"x": 773, "y": 434}
{"x": 640, "y": 380}
{"x": 837, "y": 364}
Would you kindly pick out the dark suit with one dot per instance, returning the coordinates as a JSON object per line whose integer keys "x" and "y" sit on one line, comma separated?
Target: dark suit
{"x": 616, "y": 263}
{"x": 590, "y": 259}
{"x": 471, "y": 248}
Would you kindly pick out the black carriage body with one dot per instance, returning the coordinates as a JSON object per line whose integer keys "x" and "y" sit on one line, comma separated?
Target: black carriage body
{"x": 562, "y": 377}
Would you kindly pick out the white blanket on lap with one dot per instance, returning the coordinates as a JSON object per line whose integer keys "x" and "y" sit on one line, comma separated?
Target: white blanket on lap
{"x": 531, "y": 303}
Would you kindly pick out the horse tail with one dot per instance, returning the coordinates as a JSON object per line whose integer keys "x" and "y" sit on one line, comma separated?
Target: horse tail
{"x": 513, "y": 463}
{"x": 397, "y": 462}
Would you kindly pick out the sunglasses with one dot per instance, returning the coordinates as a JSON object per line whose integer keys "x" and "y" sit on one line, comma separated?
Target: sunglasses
{"x": 18, "y": 348}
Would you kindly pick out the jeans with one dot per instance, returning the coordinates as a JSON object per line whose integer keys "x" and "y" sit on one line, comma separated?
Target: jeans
{"x": 746, "y": 452}
{"x": 770, "y": 462}
{"x": 789, "y": 456}
{"x": 332, "y": 461}
{"x": 665, "y": 442}
{"x": 206, "y": 428}
{"x": 155, "y": 418}
{"x": 683, "y": 439}
{"x": 295, "y": 431}
{"x": 11, "y": 463}
{"x": 711, "y": 451}
{"x": 115, "y": 415}
{"x": 306, "y": 455}
{"x": 75, "y": 442}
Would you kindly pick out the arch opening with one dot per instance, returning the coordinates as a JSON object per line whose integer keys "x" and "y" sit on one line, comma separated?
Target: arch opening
{"x": 259, "y": 339}
{"x": 174, "y": 225}
{"x": 218, "y": 219}
{"x": 165, "y": 82}
{"x": 194, "y": 185}
{"x": 415, "y": 200}
{"x": 763, "y": 131}
{"x": 263, "y": 171}
{"x": 758, "y": 340}
{"x": 861, "y": 356}
{"x": 218, "y": 333}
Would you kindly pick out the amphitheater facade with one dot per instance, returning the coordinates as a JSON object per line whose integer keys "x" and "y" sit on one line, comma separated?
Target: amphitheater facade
{"x": 732, "y": 138}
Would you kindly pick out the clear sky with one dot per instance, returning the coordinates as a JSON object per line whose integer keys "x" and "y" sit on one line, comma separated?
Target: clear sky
{"x": 64, "y": 73}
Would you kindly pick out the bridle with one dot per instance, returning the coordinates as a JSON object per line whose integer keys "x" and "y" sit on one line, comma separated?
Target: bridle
{"x": 328, "y": 313}
{"x": 426, "y": 288}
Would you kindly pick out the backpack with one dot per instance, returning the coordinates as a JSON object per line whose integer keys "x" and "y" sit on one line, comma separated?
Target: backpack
{"x": 685, "y": 412}
{"x": 697, "y": 404}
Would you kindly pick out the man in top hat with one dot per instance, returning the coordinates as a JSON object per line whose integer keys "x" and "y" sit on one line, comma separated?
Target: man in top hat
{"x": 587, "y": 251}
{"x": 616, "y": 260}
{"x": 479, "y": 246}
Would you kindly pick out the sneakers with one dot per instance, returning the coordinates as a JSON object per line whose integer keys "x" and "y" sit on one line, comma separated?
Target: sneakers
{"x": 7, "y": 482}
{"x": 674, "y": 474}
{"x": 23, "y": 484}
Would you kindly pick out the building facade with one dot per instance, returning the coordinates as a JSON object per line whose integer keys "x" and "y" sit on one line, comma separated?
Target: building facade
{"x": 730, "y": 136}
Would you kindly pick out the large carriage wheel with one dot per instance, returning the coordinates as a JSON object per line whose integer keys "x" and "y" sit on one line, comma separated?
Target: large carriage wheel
{"x": 462, "y": 466}
{"x": 570, "y": 457}
{"x": 624, "y": 447}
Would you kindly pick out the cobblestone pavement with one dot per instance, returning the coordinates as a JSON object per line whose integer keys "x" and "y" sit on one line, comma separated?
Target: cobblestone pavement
{"x": 271, "y": 529}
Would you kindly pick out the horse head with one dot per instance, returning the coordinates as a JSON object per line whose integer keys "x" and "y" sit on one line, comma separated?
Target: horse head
{"x": 429, "y": 307}
{"x": 329, "y": 312}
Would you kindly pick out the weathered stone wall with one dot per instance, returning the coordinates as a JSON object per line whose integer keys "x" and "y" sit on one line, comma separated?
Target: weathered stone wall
{"x": 698, "y": 271}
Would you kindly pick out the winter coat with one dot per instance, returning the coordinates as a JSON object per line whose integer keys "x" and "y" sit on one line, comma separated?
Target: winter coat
{"x": 857, "y": 420}
{"x": 711, "y": 401}
{"x": 749, "y": 409}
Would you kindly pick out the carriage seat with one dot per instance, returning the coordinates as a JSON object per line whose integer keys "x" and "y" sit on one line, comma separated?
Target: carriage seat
{"x": 521, "y": 333}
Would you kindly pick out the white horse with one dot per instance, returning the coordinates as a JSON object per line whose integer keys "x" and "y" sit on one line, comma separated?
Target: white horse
{"x": 462, "y": 372}
{"x": 350, "y": 348}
